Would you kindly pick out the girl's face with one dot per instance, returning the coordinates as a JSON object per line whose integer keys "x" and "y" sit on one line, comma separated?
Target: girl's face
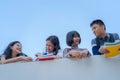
{"x": 16, "y": 48}
{"x": 76, "y": 40}
{"x": 49, "y": 46}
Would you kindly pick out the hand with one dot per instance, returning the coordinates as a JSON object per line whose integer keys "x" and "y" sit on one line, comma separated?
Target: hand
{"x": 103, "y": 50}
{"x": 29, "y": 58}
{"x": 3, "y": 60}
{"x": 85, "y": 53}
{"x": 57, "y": 57}
{"x": 0, "y": 62}
{"x": 75, "y": 54}
{"x": 38, "y": 54}
{"x": 24, "y": 58}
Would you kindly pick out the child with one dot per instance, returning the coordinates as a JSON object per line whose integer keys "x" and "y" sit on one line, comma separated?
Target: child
{"x": 13, "y": 53}
{"x": 52, "y": 47}
{"x": 73, "y": 40}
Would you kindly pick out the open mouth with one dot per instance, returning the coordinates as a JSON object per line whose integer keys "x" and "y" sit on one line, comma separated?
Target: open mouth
{"x": 19, "y": 49}
{"x": 77, "y": 41}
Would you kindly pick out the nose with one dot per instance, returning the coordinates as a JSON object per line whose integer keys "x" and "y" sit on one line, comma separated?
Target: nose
{"x": 78, "y": 38}
{"x": 93, "y": 31}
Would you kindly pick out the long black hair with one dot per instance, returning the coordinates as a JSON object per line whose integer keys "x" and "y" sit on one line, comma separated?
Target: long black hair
{"x": 55, "y": 41}
{"x": 8, "y": 50}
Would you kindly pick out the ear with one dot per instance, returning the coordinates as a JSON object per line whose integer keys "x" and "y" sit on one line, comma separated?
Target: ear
{"x": 103, "y": 27}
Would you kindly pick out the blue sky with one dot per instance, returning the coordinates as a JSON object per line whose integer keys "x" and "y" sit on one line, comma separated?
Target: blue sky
{"x": 32, "y": 21}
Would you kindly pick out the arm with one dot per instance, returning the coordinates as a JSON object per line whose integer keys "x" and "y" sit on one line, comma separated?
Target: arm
{"x": 82, "y": 53}
{"x": 116, "y": 36}
{"x": 60, "y": 53}
{"x": 0, "y": 62}
{"x": 38, "y": 54}
{"x": 95, "y": 47}
{"x": 95, "y": 50}
{"x": 4, "y": 61}
{"x": 66, "y": 53}
{"x": 75, "y": 54}
{"x": 103, "y": 49}
{"x": 85, "y": 53}
{"x": 15, "y": 59}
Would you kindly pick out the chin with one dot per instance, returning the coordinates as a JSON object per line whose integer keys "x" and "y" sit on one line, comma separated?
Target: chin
{"x": 19, "y": 52}
{"x": 77, "y": 43}
{"x": 96, "y": 35}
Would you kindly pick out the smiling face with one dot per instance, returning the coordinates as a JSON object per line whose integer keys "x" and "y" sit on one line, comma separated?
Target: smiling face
{"x": 49, "y": 46}
{"x": 16, "y": 48}
{"x": 76, "y": 40}
{"x": 98, "y": 30}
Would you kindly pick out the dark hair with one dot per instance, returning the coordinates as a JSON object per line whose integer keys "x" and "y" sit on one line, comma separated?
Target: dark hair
{"x": 99, "y": 22}
{"x": 69, "y": 37}
{"x": 55, "y": 41}
{"x": 8, "y": 50}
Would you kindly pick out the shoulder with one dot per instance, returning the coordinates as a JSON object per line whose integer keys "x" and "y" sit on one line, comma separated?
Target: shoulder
{"x": 66, "y": 50}
{"x": 94, "y": 42}
{"x": 60, "y": 51}
{"x": 2, "y": 56}
{"x": 115, "y": 36}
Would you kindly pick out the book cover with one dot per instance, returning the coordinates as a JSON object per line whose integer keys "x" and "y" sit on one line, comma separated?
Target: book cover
{"x": 45, "y": 57}
{"x": 113, "y": 48}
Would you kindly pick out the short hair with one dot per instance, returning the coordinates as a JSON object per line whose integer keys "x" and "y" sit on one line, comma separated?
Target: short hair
{"x": 55, "y": 41}
{"x": 69, "y": 37}
{"x": 99, "y": 22}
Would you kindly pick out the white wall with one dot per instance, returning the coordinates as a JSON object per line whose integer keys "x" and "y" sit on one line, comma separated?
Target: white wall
{"x": 93, "y": 68}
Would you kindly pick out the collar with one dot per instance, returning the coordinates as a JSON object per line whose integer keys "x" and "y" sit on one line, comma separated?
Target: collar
{"x": 74, "y": 47}
{"x": 105, "y": 38}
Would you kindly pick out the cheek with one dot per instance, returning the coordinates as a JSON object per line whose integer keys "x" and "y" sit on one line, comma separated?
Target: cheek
{"x": 13, "y": 49}
{"x": 73, "y": 40}
{"x": 95, "y": 31}
{"x": 48, "y": 49}
{"x": 51, "y": 48}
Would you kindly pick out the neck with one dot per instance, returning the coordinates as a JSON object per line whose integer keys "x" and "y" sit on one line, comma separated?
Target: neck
{"x": 75, "y": 46}
{"x": 103, "y": 35}
{"x": 14, "y": 54}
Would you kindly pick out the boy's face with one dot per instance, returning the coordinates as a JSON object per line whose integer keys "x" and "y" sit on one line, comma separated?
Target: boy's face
{"x": 98, "y": 30}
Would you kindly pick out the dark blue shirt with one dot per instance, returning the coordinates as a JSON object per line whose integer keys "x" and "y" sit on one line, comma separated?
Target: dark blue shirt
{"x": 98, "y": 42}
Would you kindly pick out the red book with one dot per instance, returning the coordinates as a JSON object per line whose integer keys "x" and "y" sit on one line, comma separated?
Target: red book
{"x": 45, "y": 58}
